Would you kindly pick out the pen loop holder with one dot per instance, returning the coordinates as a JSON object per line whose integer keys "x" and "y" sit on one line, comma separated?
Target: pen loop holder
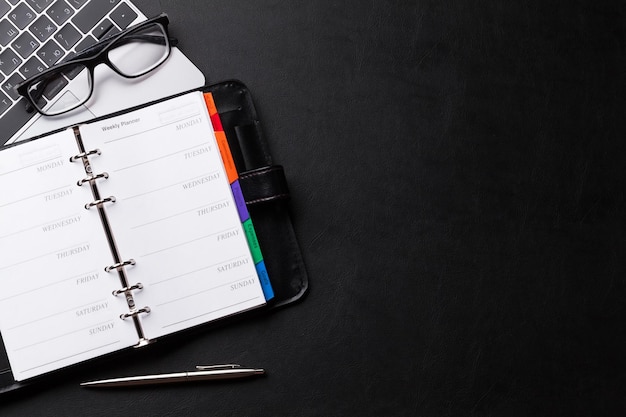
{"x": 110, "y": 199}
{"x": 137, "y": 286}
{"x": 85, "y": 154}
{"x": 91, "y": 178}
{"x": 134, "y": 313}
{"x": 119, "y": 265}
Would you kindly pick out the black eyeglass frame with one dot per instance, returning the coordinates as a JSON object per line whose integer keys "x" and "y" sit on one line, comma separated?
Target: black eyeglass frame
{"x": 93, "y": 56}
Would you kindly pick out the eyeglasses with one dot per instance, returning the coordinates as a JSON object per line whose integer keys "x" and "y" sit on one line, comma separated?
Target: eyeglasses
{"x": 131, "y": 53}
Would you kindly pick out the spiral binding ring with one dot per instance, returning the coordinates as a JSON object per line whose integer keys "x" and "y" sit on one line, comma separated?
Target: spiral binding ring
{"x": 101, "y": 201}
{"x": 134, "y": 313}
{"x": 85, "y": 154}
{"x": 137, "y": 286}
{"x": 90, "y": 178}
{"x": 119, "y": 265}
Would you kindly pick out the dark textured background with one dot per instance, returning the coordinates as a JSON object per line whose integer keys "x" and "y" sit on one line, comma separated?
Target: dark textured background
{"x": 458, "y": 181}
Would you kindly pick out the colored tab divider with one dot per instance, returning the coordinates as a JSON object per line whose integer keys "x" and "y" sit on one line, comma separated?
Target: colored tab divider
{"x": 244, "y": 216}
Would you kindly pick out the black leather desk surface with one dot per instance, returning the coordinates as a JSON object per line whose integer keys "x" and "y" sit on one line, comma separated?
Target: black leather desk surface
{"x": 458, "y": 181}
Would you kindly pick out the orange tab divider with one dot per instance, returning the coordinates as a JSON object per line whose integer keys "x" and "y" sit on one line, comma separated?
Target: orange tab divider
{"x": 210, "y": 103}
{"x": 227, "y": 157}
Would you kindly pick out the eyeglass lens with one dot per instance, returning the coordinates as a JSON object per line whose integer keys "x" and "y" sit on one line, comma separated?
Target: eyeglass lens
{"x": 132, "y": 55}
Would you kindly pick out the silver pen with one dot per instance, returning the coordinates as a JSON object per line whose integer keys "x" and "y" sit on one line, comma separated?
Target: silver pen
{"x": 203, "y": 373}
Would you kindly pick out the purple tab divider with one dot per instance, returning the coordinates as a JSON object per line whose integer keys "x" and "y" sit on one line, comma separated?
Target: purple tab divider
{"x": 240, "y": 201}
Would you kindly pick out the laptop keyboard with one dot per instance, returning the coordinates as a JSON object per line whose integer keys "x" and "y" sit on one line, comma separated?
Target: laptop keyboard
{"x": 36, "y": 34}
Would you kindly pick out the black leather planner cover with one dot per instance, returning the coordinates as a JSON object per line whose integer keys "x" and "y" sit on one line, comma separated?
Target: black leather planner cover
{"x": 265, "y": 190}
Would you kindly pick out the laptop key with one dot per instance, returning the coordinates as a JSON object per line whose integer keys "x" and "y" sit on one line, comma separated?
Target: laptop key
{"x": 50, "y": 53}
{"x": 4, "y": 8}
{"x": 85, "y": 43}
{"x": 54, "y": 87}
{"x": 22, "y": 15}
{"x": 9, "y": 61}
{"x": 14, "y": 120}
{"x": 9, "y": 85}
{"x": 8, "y": 32}
{"x": 14, "y": 2}
{"x": 43, "y": 28}
{"x": 92, "y": 13}
{"x": 67, "y": 36}
{"x": 25, "y": 44}
{"x": 5, "y": 102}
{"x": 60, "y": 11}
{"x": 123, "y": 16}
{"x": 32, "y": 67}
{"x": 102, "y": 28}
{"x": 39, "y": 5}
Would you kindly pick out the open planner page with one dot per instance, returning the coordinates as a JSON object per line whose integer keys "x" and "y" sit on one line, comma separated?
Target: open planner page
{"x": 56, "y": 306}
{"x": 174, "y": 214}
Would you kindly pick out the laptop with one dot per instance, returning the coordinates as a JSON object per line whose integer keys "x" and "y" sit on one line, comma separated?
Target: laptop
{"x": 39, "y": 33}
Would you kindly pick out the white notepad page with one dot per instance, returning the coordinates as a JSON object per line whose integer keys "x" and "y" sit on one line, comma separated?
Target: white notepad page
{"x": 55, "y": 305}
{"x": 173, "y": 213}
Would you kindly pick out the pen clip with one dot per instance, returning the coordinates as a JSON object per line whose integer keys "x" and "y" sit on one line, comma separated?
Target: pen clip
{"x": 217, "y": 367}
